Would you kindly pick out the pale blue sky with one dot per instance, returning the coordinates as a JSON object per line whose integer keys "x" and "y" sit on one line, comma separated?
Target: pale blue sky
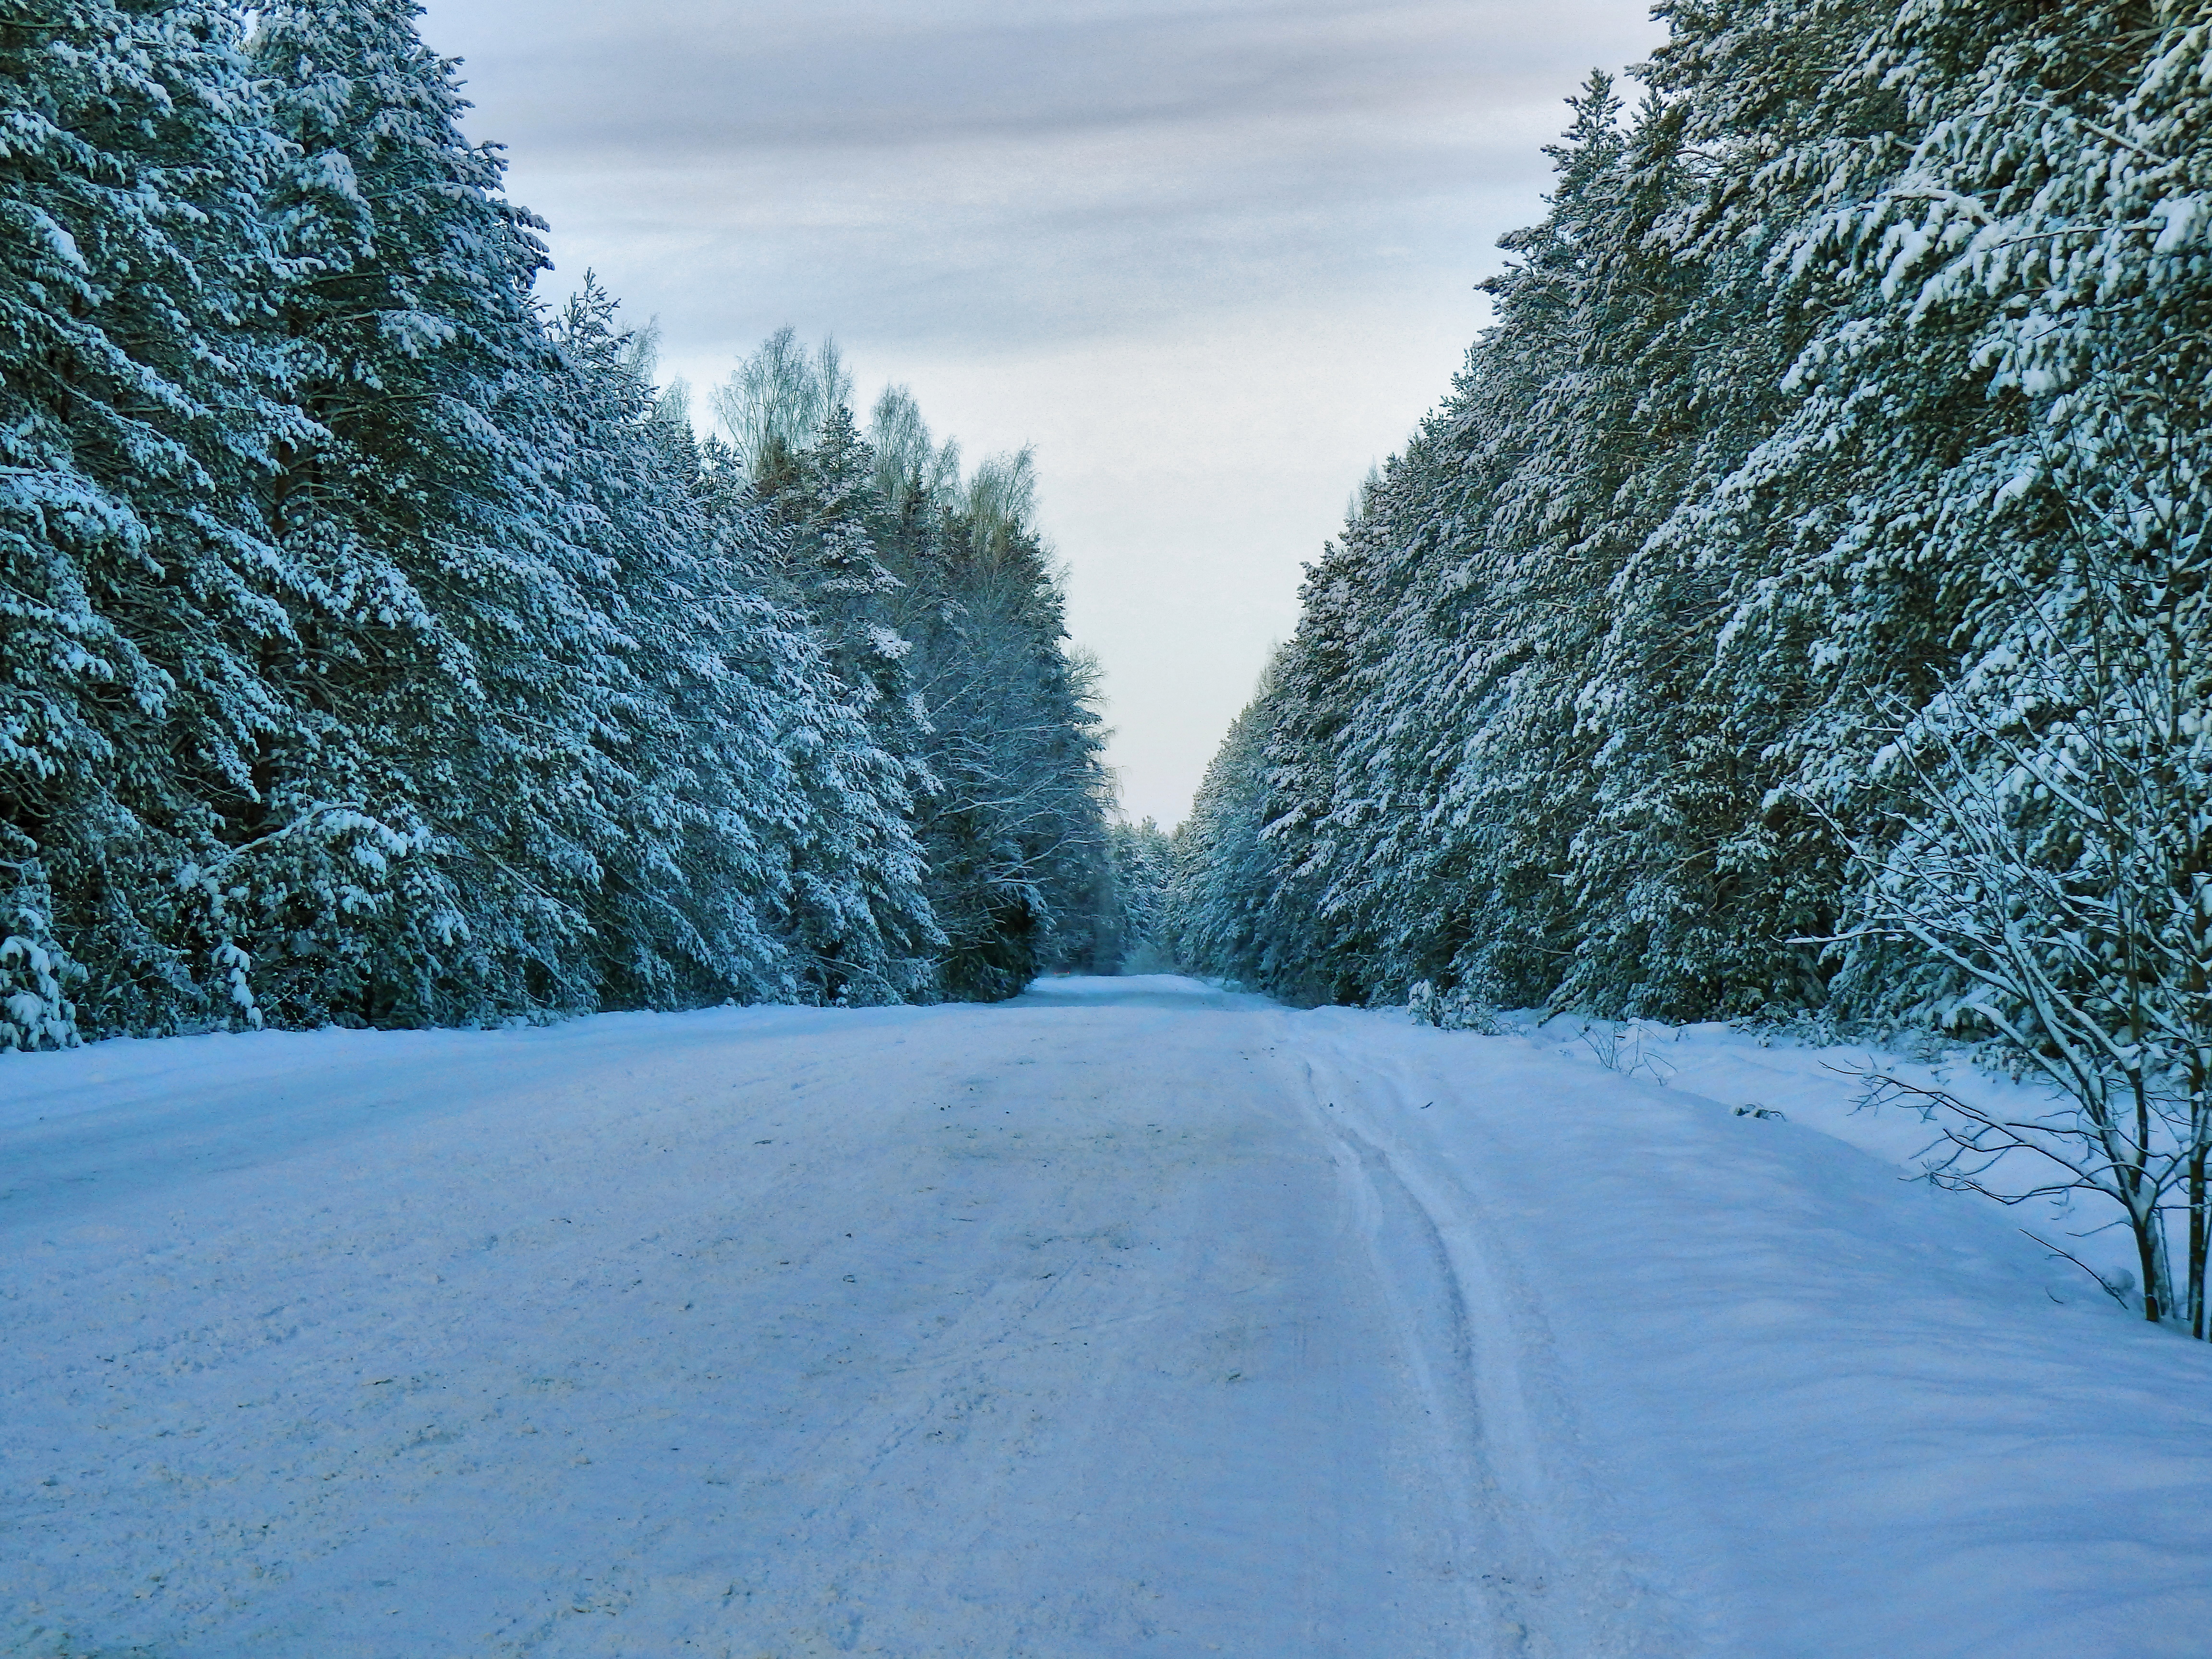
{"x": 1212, "y": 259}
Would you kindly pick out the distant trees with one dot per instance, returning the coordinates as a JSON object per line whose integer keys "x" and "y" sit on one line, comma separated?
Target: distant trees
{"x": 1223, "y": 892}
{"x": 1797, "y": 602}
{"x": 779, "y": 400}
{"x": 948, "y": 619}
{"x": 1144, "y": 871}
{"x": 376, "y": 648}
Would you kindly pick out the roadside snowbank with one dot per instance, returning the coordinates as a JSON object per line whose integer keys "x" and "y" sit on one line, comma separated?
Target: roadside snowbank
{"x": 1851, "y": 1414}
{"x": 1821, "y": 1086}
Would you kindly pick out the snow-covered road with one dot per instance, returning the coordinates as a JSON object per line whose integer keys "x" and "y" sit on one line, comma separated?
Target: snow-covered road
{"x": 1130, "y": 1318}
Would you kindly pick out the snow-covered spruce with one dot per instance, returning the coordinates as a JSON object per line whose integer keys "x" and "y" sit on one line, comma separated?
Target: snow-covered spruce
{"x": 378, "y": 649}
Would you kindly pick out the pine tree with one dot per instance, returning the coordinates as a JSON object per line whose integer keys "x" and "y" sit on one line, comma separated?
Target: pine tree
{"x": 945, "y": 621}
{"x": 35, "y": 971}
{"x": 140, "y": 408}
{"x": 1225, "y": 867}
{"x": 692, "y": 887}
{"x": 468, "y": 662}
{"x": 1016, "y": 829}
{"x": 867, "y": 940}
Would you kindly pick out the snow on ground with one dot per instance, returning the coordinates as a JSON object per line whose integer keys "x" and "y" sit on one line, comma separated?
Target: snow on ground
{"x": 1132, "y": 1317}
{"x": 1824, "y": 1087}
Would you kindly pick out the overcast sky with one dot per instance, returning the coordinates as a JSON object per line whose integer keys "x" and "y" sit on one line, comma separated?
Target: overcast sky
{"x": 1214, "y": 259}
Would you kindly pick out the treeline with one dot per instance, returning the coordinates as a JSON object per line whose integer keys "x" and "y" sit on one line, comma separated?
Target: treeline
{"x": 378, "y": 648}
{"x": 1799, "y": 604}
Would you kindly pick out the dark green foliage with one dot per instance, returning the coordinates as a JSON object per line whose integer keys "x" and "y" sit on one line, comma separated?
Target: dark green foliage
{"x": 1144, "y": 875}
{"x": 950, "y": 624}
{"x": 141, "y": 405}
{"x": 1798, "y": 397}
{"x": 374, "y": 649}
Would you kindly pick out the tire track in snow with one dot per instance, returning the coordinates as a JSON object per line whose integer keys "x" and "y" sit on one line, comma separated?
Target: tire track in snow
{"x": 1476, "y": 1345}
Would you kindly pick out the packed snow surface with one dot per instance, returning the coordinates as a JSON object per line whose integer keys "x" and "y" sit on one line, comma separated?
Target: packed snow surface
{"x": 1132, "y": 1317}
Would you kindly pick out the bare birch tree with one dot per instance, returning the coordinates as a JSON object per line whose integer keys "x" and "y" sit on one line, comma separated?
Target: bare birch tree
{"x": 2056, "y": 855}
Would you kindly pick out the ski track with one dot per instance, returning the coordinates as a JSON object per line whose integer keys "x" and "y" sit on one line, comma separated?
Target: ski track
{"x": 1129, "y": 1318}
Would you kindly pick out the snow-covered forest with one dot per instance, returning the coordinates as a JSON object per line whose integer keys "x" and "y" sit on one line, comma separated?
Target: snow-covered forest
{"x": 378, "y": 645}
{"x": 1798, "y": 606}
{"x": 1743, "y": 769}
